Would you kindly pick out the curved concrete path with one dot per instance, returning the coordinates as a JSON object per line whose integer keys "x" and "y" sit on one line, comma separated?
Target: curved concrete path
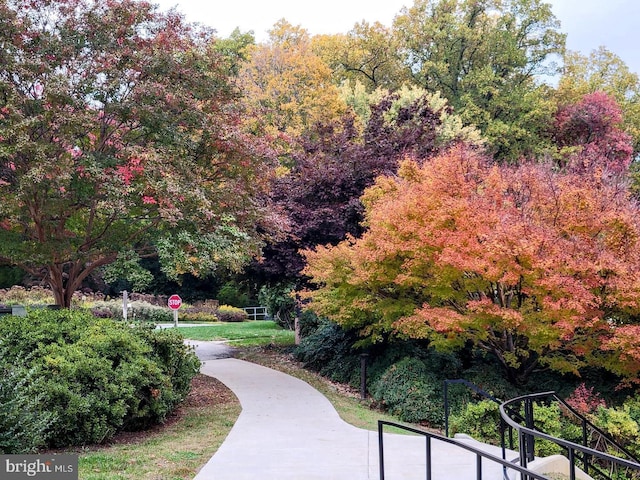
{"x": 289, "y": 431}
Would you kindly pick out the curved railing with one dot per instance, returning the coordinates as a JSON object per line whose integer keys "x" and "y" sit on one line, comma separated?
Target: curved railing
{"x": 594, "y": 462}
{"x": 430, "y": 437}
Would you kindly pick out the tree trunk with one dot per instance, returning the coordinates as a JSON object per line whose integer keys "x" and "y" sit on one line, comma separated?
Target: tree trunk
{"x": 65, "y": 279}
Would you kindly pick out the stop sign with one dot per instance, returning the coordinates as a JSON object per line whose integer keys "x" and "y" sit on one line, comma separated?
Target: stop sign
{"x": 175, "y": 302}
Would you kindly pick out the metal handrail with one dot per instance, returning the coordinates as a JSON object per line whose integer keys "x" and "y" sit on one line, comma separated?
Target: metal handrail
{"x": 527, "y": 435}
{"x": 469, "y": 385}
{"x": 480, "y": 391}
{"x": 429, "y": 436}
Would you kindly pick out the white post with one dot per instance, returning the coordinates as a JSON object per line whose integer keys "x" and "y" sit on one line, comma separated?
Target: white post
{"x": 125, "y": 304}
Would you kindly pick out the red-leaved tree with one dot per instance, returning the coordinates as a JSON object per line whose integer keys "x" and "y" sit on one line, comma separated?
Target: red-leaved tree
{"x": 590, "y": 135}
{"x": 539, "y": 267}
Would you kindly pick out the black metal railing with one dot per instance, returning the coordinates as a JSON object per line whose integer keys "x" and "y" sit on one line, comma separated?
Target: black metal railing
{"x": 470, "y": 386}
{"x": 504, "y": 426}
{"x": 431, "y": 437}
{"x": 598, "y": 462}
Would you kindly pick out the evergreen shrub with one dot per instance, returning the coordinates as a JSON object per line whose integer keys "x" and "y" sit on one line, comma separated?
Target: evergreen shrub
{"x": 329, "y": 351}
{"x": 91, "y": 377}
{"x": 411, "y": 392}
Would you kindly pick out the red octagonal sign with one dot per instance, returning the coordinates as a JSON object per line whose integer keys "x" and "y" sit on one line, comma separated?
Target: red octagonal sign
{"x": 175, "y": 302}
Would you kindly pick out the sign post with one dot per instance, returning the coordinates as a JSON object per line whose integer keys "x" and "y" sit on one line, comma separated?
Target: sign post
{"x": 125, "y": 304}
{"x": 175, "y": 302}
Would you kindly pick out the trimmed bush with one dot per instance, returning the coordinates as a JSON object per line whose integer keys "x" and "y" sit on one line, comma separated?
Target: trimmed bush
{"x": 93, "y": 377}
{"x": 227, "y": 313}
{"x": 198, "y": 317}
{"x": 201, "y": 312}
{"x": 411, "y": 392}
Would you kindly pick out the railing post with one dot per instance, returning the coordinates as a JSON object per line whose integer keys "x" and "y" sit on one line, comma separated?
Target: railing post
{"x": 585, "y": 439}
{"x": 428, "y": 451}
{"x": 381, "y": 449}
{"x": 572, "y": 464}
{"x": 446, "y": 409}
{"x": 522, "y": 447}
{"x": 529, "y": 421}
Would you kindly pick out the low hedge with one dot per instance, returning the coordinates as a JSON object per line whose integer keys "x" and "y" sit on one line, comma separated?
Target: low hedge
{"x": 227, "y": 313}
{"x": 91, "y": 377}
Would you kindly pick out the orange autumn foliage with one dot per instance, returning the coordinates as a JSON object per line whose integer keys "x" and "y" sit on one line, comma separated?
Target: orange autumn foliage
{"x": 535, "y": 265}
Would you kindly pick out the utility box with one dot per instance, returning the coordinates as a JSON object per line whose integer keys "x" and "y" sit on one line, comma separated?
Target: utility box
{"x": 18, "y": 311}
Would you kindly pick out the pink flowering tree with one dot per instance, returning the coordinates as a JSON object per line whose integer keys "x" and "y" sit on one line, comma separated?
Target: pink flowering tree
{"x": 119, "y": 139}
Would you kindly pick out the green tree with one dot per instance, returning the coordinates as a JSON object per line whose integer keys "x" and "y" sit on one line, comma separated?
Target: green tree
{"x": 483, "y": 57}
{"x": 119, "y": 137}
{"x": 367, "y": 53}
{"x": 235, "y": 49}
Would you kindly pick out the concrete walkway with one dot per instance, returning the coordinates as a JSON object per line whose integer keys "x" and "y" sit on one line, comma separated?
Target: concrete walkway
{"x": 289, "y": 431}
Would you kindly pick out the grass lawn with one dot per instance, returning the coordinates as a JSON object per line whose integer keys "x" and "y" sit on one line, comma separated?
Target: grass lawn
{"x": 253, "y": 333}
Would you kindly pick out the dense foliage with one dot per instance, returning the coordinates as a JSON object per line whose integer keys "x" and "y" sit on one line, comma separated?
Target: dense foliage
{"x": 119, "y": 139}
{"x": 529, "y": 263}
{"x": 432, "y": 186}
{"x": 72, "y": 379}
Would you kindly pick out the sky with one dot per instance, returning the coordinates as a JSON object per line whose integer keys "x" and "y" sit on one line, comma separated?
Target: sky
{"x": 588, "y": 24}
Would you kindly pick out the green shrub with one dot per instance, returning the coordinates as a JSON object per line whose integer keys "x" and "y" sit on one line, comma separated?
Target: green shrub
{"x": 281, "y": 303}
{"x": 205, "y": 311}
{"x": 619, "y": 424}
{"x": 147, "y": 312}
{"x": 94, "y": 377}
{"x": 176, "y": 360}
{"x": 329, "y": 351}
{"x": 198, "y": 317}
{"x": 227, "y": 313}
{"x": 411, "y": 392}
{"x": 232, "y": 293}
{"x": 23, "y": 424}
{"x": 489, "y": 377}
{"x": 10, "y": 276}
{"x": 481, "y": 420}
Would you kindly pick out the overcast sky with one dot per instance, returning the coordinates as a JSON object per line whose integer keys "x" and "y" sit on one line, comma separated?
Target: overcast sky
{"x": 588, "y": 23}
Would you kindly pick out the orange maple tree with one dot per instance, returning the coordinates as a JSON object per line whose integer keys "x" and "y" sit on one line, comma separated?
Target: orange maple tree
{"x": 539, "y": 266}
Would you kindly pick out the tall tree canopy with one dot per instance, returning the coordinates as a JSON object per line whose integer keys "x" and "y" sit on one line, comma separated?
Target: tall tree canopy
{"x": 538, "y": 266}
{"x": 367, "y": 53}
{"x": 288, "y": 86}
{"x": 589, "y": 133}
{"x": 483, "y": 56}
{"x": 119, "y": 138}
{"x": 337, "y": 161}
